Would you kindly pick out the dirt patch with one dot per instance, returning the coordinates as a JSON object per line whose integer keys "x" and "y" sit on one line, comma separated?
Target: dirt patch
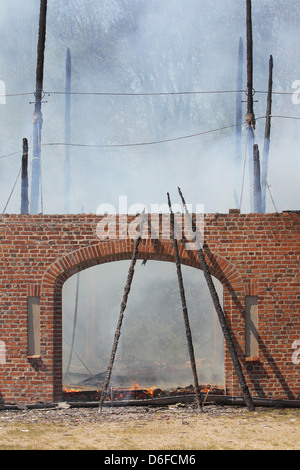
{"x": 171, "y": 428}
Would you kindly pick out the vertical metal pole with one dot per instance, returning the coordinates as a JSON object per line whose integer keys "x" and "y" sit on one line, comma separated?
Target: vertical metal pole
{"x": 24, "y": 184}
{"x": 68, "y": 133}
{"x": 265, "y": 162}
{"x": 38, "y": 118}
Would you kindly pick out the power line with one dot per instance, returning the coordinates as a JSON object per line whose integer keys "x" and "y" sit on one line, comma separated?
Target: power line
{"x": 275, "y": 92}
{"x": 16, "y": 94}
{"x": 167, "y": 93}
{"x": 11, "y": 193}
{"x": 11, "y": 154}
{"x": 287, "y": 117}
{"x": 63, "y": 144}
{"x": 155, "y": 142}
{"x": 125, "y": 94}
{"x": 272, "y": 199}
{"x": 137, "y": 144}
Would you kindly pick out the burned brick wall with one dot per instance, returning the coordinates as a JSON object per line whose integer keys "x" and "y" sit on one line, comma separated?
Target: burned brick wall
{"x": 254, "y": 256}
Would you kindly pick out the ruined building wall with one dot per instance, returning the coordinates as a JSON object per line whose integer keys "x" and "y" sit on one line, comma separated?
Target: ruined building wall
{"x": 256, "y": 258}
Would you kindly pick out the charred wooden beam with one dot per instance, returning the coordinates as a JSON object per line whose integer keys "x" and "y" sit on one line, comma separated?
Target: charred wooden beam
{"x": 266, "y": 152}
{"x": 38, "y": 118}
{"x": 250, "y": 111}
{"x": 185, "y": 309}
{"x": 122, "y": 310}
{"x": 250, "y": 117}
{"x": 24, "y": 183}
{"x": 220, "y": 313}
{"x": 257, "y": 179}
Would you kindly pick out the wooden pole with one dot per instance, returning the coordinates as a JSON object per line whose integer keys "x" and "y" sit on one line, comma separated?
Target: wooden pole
{"x": 122, "y": 310}
{"x": 239, "y": 117}
{"x": 257, "y": 179}
{"x": 250, "y": 113}
{"x": 266, "y": 152}
{"x": 24, "y": 184}
{"x": 250, "y": 117}
{"x": 38, "y": 118}
{"x": 185, "y": 309}
{"x": 68, "y": 133}
{"x": 221, "y": 315}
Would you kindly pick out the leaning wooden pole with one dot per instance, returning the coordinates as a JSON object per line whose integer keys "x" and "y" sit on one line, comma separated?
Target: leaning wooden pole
{"x": 24, "y": 183}
{"x": 122, "y": 310}
{"x": 220, "y": 313}
{"x": 38, "y": 118}
{"x": 185, "y": 309}
{"x": 266, "y": 152}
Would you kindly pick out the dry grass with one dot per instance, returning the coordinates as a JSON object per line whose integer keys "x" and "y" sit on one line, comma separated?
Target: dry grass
{"x": 156, "y": 429}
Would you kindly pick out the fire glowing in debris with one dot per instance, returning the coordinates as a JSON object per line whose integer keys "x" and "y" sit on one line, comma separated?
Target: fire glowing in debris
{"x": 136, "y": 392}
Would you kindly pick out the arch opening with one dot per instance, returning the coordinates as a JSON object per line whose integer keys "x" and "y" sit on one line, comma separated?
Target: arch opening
{"x": 152, "y": 350}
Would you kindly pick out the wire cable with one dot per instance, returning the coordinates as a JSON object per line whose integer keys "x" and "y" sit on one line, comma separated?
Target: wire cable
{"x": 167, "y": 93}
{"x": 12, "y": 191}
{"x": 9, "y": 95}
{"x": 63, "y": 144}
{"x": 155, "y": 142}
{"x": 162, "y": 93}
{"x": 137, "y": 144}
{"x": 272, "y": 199}
{"x": 287, "y": 117}
{"x": 11, "y": 154}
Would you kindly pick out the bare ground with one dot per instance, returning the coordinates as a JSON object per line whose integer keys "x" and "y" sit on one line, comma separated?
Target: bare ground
{"x": 171, "y": 428}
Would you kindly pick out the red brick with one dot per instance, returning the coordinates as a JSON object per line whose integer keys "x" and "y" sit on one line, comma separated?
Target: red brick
{"x": 250, "y": 254}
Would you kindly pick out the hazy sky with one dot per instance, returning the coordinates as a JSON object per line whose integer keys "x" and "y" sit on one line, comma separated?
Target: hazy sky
{"x": 165, "y": 51}
{"x": 170, "y": 46}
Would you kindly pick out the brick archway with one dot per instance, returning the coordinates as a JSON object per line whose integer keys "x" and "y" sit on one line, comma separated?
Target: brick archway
{"x": 250, "y": 254}
{"x": 119, "y": 250}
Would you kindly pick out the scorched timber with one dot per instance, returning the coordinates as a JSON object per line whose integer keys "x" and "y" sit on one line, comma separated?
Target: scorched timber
{"x": 184, "y": 308}
{"x": 220, "y": 313}
{"x": 122, "y": 310}
{"x": 190, "y": 400}
{"x": 165, "y": 401}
